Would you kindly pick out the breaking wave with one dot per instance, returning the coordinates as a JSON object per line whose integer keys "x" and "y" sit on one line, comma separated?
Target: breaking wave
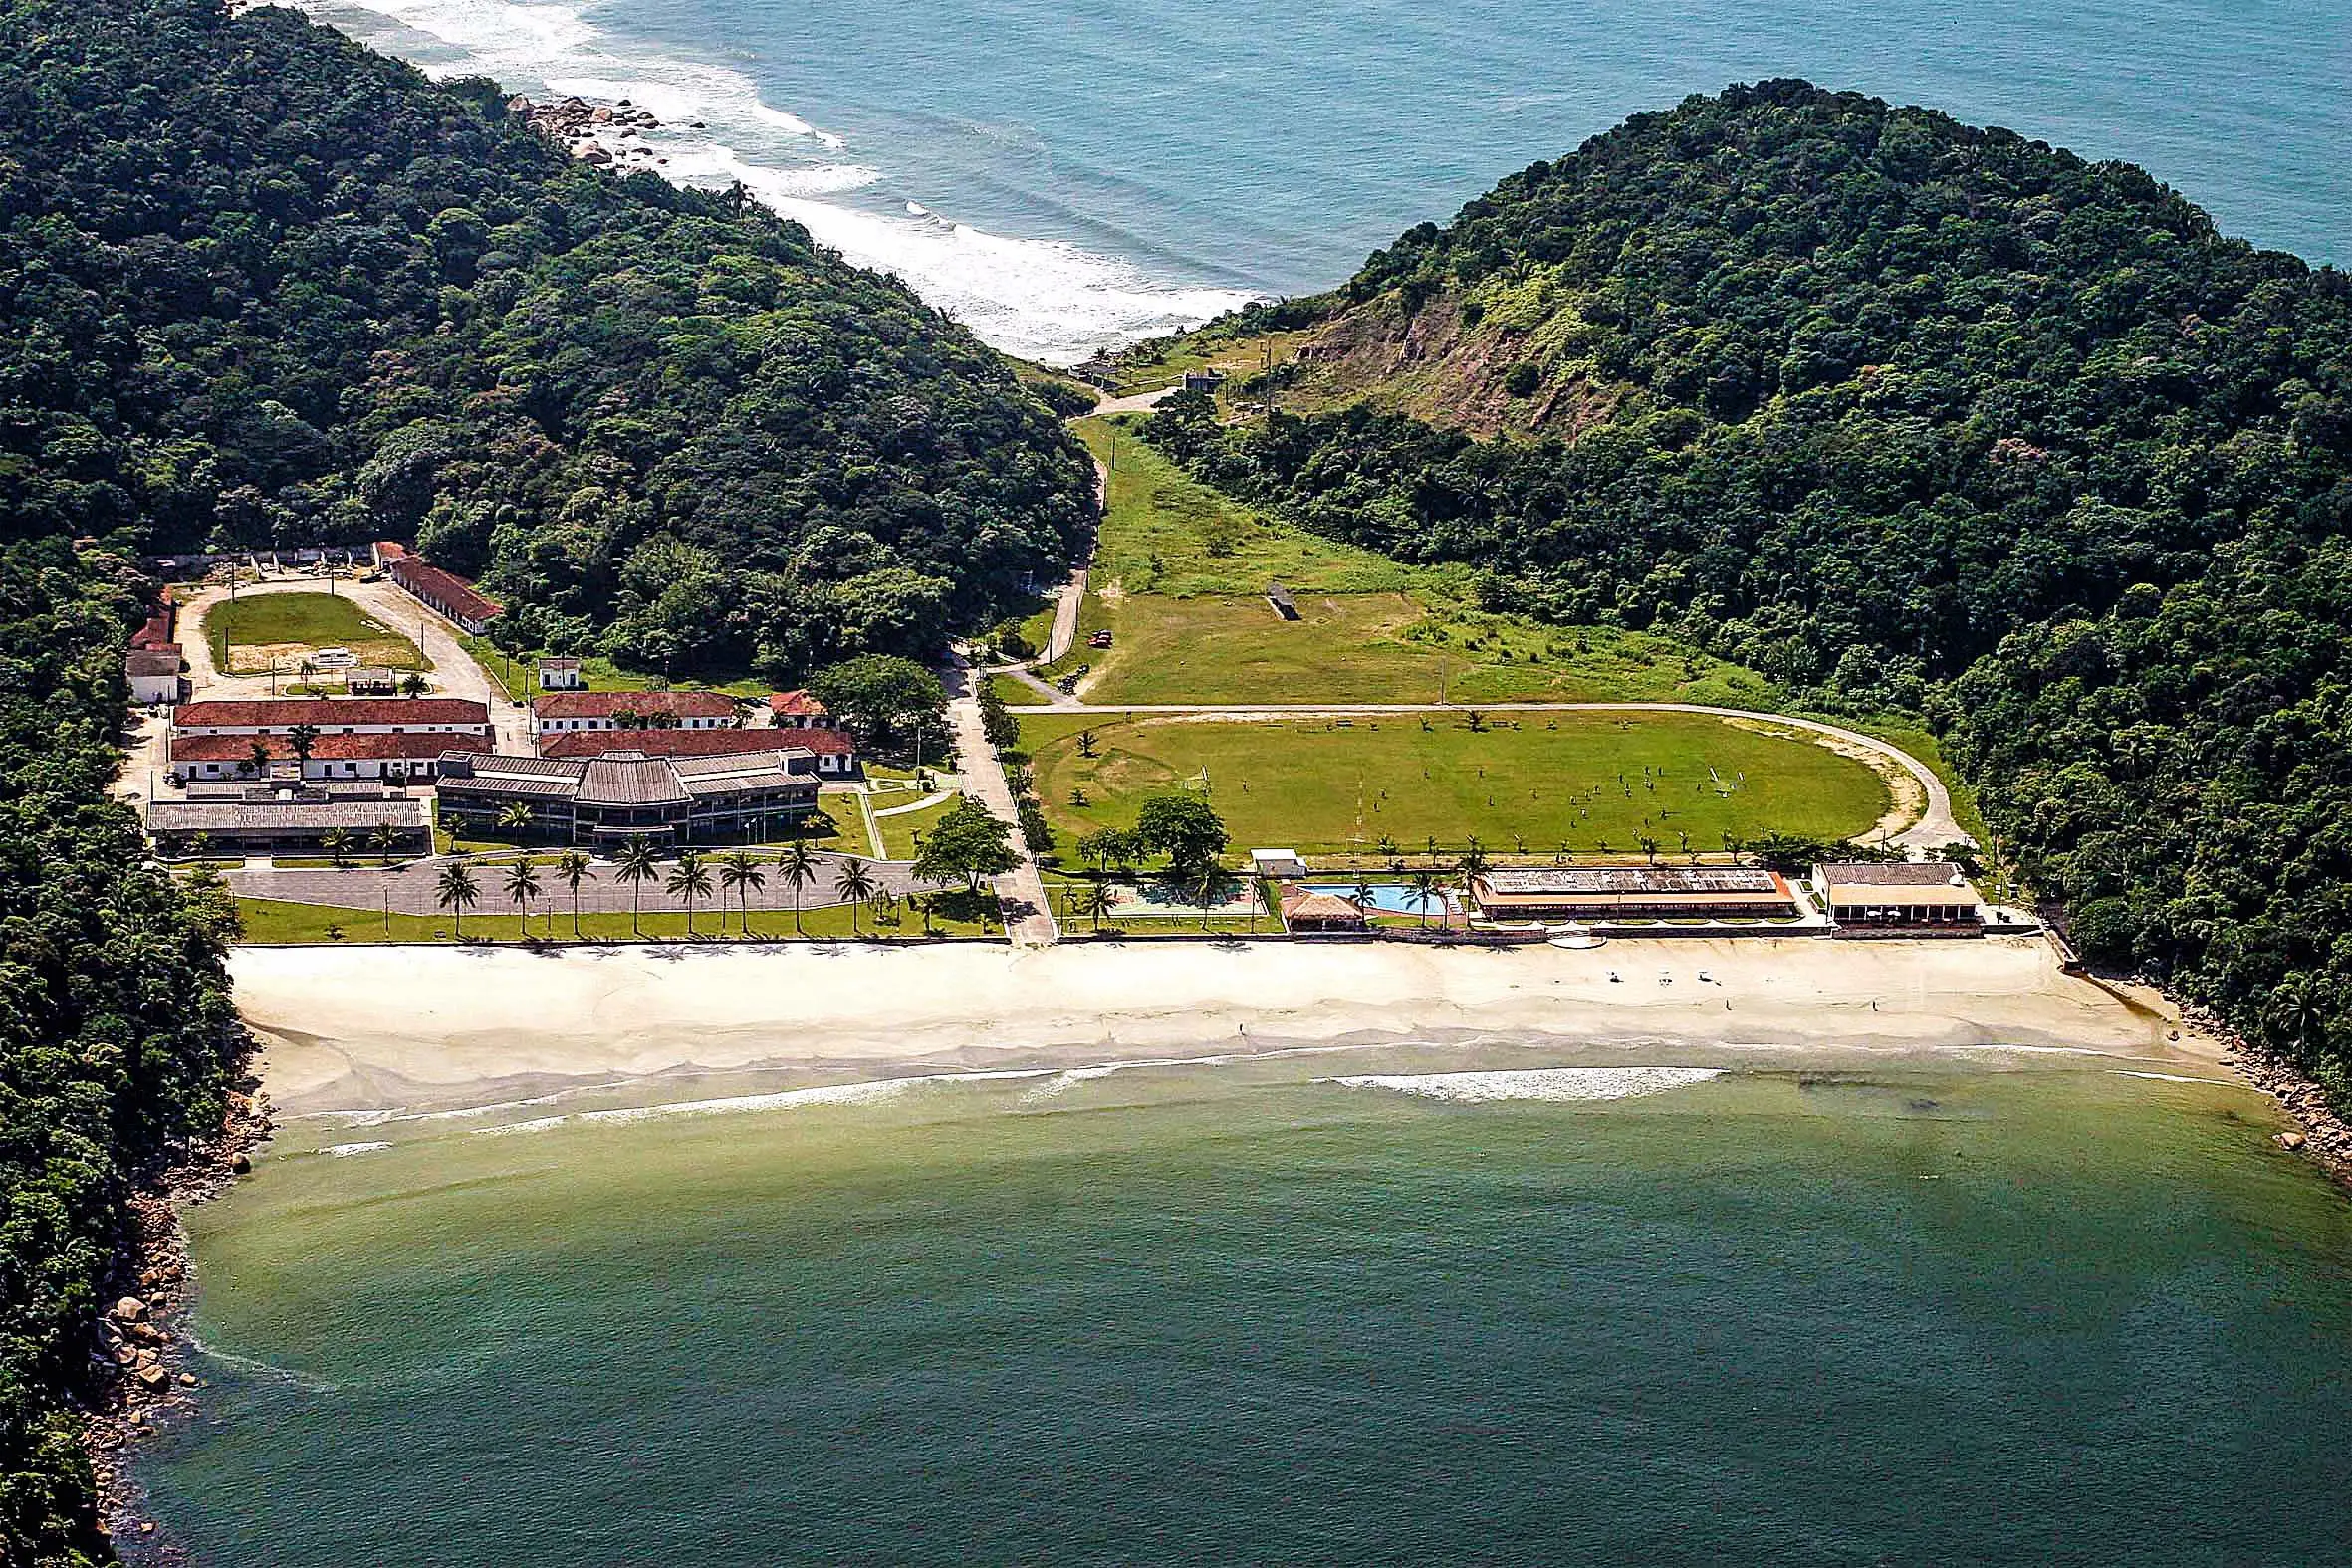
{"x": 1046, "y": 299}
{"x": 1533, "y": 1083}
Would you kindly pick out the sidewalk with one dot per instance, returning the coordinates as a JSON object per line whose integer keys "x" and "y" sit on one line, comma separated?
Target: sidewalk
{"x": 1028, "y": 919}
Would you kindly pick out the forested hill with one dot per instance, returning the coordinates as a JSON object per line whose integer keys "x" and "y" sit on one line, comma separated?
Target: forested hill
{"x": 263, "y": 286}
{"x": 1907, "y": 415}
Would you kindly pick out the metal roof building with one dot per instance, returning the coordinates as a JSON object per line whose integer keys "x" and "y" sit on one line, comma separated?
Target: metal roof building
{"x": 610, "y": 799}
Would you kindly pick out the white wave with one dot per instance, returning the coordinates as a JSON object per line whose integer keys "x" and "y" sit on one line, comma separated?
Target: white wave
{"x": 1046, "y": 299}
{"x": 342, "y": 1150}
{"x": 868, "y": 1092}
{"x": 1535, "y": 1083}
{"x": 2174, "y": 1077}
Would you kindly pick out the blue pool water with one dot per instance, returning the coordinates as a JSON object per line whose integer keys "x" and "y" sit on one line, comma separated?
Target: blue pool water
{"x": 1391, "y": 898}
{"x": 1063, "y": 176}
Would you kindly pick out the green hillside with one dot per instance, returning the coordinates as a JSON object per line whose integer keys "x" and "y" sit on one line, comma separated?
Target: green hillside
{"x": 1904, "y": 415}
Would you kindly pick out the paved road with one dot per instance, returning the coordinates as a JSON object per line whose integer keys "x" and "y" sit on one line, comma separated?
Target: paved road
{"x": 1935, "y": 826}
{"x": 1029, "y": 919}
{"x": 410, "y": 889}
{"x": 1141, "y": 402}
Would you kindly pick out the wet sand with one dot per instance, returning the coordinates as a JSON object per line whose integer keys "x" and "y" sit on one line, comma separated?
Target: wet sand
{"x": 428, "y": 1029}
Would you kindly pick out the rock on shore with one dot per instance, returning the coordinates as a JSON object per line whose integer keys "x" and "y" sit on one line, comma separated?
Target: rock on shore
{"x": 604, "y": 135}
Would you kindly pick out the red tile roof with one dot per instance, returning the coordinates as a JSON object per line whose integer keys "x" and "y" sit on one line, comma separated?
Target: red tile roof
{"x": 730, "y": 742}
{"x": 386, "y": 553}
{"x": 610, "y": 705}
{"x": 156, "y": 633}
{"x": 326, "y": 747}
{"x": 286, "y": 712}
{"x": 153, "y": 661}
{"x": 798, "y": 705}
{"x": 445, "y": 589}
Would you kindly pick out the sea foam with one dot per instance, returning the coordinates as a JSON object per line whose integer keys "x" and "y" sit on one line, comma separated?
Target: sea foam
{"x": 1044, "y": 299}
{"x": 1533, "y": 1083}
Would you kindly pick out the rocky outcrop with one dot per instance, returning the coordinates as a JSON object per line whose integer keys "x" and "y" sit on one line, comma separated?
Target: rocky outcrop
{"x": 604, "y": 135}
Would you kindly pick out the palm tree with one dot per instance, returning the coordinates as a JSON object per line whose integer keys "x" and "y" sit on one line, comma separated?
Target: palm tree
{"x": 337, "y": 843}
{"x": 798, "y": 866}
{"x": 412, "y": 685}
{"x": 856, "y": 884}
{"x": 1474, "y": 857}
{"x": 638, "y": 868}
{"x": 382, "y": 840}
{"x": 1207, "y": 882}
{"x": 739, "y": 874}
{"x": 199, "y": 846}
{"x": 690, "y": 879}
{"x": 302, "y": 737}
{"x": 1363, "y": 895}
{"x": 1094, "y": 900}
{"x": 513, "y": 819}
{"x": 256, "y": 759}
{"x": 571, "y": 870}
{"x": 521, "y": 885}
{"x": 1425, "y": 885}
{"x": 457, "y": 891}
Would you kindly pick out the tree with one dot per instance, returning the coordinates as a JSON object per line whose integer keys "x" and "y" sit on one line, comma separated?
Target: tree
{"x": 381, "y": 841}
{"x": 1365, "y": 899}
{"x": 412, "y": 685}
{"x": 966, "y": 845}
{"x": 797, "y": 866}
{"x": 513, "y": 819}
{"x": 881, "y": 698}
{"x": 521, "y": 886}
{"x": 1426, "y": 880}
{"x": 1204, "y": 880}
{"x": 1093, "y": 899}
{"x": 1184, "y": 827}
{"x": 637, "y": 865}
{"x": 854, "y": 883}
{"x": 689, "y": 881}
{"x": 1474, "y": 858}
{"x": 741, "y": 875}
{"x": 337, "y": 844}
{"x": 571, "y": 869}
{"x": 302, "y": 738}
{"x": 1089, "y": 745}
{"x": 457, "y": 891}
{"x": 256, "y": 759}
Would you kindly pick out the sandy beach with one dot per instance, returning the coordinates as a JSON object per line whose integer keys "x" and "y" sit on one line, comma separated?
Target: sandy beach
{"x": 377, "y": 1028}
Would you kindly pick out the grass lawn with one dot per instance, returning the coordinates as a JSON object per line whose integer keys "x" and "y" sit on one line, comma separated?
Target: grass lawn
{"x": 1179, "y": 576}
{"x": 1538, "y": 780}
{"x": 900, "y": 828}
{"x": 519, "y": 673}
{"x": 273, "y": 921}
{"x": 247, "y": 634}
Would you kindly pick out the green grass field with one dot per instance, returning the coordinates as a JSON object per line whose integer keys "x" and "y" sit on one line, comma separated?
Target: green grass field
{"x": 519, "y": 674}
{"x": 274, "y": 922}
{"x": 900, "y": 828}
{"x": 1180, "y": 571}
{"x": 1539, "y": 782}
{"x": 246, "y": 634}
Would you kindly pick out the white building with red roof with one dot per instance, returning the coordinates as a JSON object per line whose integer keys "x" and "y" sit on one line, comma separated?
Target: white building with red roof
{"x": 798, "y": 711}
{"x": 394, "y": 759}
{"x": 333, "y": 716}
{"x": 569, "y": 713}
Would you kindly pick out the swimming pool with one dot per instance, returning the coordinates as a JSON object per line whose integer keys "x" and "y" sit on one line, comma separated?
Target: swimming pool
{"x": 1393, "y": 898}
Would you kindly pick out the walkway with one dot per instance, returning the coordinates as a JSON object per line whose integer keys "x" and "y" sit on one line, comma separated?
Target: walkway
{"x": 410, "y": 889}
{"x": 1935, "y": 825}
{"x": 1027, "y": 918}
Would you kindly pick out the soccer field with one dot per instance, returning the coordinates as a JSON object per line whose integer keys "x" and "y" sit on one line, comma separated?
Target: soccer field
{"x": 1530, "y": 784}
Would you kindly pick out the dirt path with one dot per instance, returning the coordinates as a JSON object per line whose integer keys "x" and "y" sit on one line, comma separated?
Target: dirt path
{"x": 1935, "y": 825}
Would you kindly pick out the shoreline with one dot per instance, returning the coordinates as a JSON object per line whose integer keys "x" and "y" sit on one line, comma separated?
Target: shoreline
{"x": 477, "y": 1027}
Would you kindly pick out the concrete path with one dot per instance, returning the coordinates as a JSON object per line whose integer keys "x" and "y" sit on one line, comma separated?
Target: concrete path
{"x": 1027, "y": 918}
{"x": 410, "y": 889}
{"x": 1935, "y": 825}
{"x": 1141, "y": 402}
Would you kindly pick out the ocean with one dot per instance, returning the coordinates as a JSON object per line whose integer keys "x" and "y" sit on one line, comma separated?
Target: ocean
{"x": 1063, "y": 177}
{"x": 1337, "y": 1308}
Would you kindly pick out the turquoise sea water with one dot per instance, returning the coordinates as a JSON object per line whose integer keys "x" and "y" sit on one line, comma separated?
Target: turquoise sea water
{"x": 1233, "y": 1313}
{"x": 1064, "y": 175}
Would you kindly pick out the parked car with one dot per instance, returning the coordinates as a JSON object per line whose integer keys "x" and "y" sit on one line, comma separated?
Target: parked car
{"x": 1101, "y": 639}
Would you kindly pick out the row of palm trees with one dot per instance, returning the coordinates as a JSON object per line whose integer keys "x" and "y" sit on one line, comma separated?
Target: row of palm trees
{"x": 689, "y": 881}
